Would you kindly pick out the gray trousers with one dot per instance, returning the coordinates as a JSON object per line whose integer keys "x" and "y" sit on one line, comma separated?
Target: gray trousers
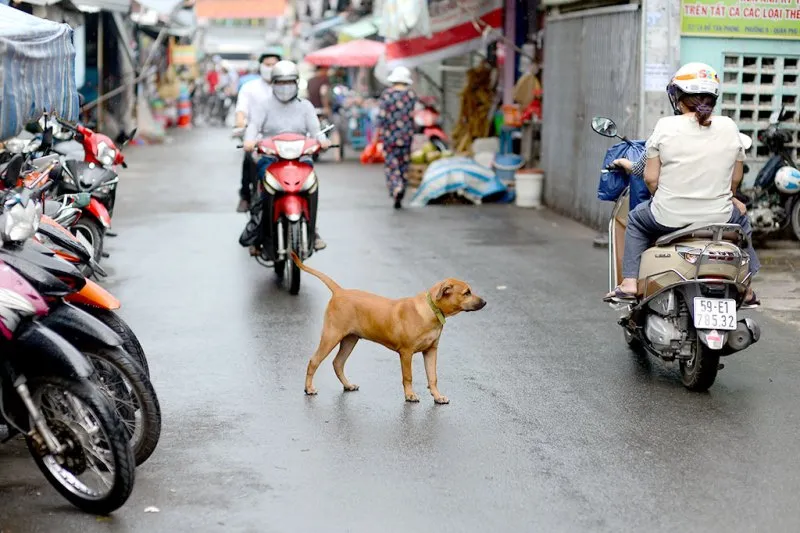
{"x": 643, "y": 230}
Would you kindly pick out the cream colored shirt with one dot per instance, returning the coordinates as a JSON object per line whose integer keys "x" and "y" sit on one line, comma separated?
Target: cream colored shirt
{"x": 696, "y": 169}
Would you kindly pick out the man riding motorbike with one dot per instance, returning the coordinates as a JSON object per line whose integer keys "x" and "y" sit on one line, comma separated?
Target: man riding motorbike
{"x": 694, "y": 166}
{"x": 283, "y": 113}
{"x": 252, "y": 98}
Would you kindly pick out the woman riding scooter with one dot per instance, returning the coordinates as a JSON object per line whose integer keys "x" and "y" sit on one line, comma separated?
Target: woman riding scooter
{"x": 694, "y": 166}
{"x": 283, "y": 113}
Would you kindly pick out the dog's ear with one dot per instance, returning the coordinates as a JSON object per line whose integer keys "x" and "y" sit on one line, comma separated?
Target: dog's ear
{"x": 445, "y": 289}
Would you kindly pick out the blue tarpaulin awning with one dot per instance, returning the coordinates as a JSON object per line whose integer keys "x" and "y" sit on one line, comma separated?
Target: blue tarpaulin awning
{"x": 37, "y": 70}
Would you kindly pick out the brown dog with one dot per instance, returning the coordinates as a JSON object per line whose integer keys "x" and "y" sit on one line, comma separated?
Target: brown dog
{"x": 406, "y": 326}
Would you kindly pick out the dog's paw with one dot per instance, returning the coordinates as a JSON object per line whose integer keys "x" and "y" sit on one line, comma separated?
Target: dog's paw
{"x": 311, "y": 392}
{"x": 441, "y": 400}
{"x": 351, "y": 388}
{"x": 413, "y": 398}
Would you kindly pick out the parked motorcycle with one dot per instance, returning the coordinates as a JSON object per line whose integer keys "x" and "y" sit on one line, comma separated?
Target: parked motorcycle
{"x": 428, "y": 121}
{"x": 118, "y": 375}
{"x": 693, "y": 282}
{"x": 774, "y": 204}
{"x": 48, "y": 395}
{"x": 290, "y": 217}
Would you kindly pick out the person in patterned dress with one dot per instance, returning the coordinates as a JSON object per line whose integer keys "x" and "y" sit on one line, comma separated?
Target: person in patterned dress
{"x": 396, "y": 130}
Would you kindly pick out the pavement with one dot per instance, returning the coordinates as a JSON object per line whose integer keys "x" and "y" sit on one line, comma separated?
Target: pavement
{"x": 553, "y": 424}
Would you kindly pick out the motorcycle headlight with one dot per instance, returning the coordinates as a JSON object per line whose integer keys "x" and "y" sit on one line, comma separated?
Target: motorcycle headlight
{"x": 290, "y": 149}
{"x": 20, "y": 223}
{"x": 272, "y": 183}
{"x": 311, "y": 182}
{"x": 105, "y": 154}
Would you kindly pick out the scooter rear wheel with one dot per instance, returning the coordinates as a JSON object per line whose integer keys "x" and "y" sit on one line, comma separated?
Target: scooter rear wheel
{"x": 700, "y": 372}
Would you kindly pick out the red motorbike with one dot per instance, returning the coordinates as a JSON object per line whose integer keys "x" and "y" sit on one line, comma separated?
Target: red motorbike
{"x": 287, "y": 214}
{"x": 428, "y": 121}
{"x": 96, "y": 174}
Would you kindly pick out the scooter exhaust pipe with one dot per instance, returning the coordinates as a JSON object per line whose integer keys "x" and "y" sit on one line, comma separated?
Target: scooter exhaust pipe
{"x": 747, "y": 332}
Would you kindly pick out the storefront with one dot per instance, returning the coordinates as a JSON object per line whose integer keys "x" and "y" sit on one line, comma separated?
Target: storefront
{"x": 755, "y": 47}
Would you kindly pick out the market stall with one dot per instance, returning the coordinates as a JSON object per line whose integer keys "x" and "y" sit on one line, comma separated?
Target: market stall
{"x": 37, "y": 70}
{"x": 358, "y": 111}
{"x": 359, "y": 53}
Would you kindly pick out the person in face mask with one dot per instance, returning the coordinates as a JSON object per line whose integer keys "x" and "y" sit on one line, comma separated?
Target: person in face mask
{"x": 253, "y": 95}
{"x": 283, "y": 113}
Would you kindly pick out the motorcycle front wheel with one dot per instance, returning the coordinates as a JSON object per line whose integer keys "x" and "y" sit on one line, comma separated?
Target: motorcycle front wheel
{"x": 95, "y": 471}
{"x": 130, "y": 343}
{"x": 125, "y": 385}
{"x": 291, "y": 270}
{"x": 93, "y": 232}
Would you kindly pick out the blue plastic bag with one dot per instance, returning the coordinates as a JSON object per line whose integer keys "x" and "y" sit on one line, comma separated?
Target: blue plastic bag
{"x": 613, "y": 183}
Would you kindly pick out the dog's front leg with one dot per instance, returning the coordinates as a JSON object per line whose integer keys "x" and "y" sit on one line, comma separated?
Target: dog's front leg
{"x": 405, "y": 364}
{"x": 429, "y": 356}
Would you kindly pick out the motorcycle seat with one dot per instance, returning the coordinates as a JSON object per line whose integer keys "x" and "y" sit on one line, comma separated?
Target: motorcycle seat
{"x": 732, "y": 233}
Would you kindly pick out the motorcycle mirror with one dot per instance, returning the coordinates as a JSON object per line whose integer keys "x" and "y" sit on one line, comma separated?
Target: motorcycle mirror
{"x": 746, "y": 140}
{"x": 129, "y": 137}
{"x": 604, "y": 126}
{"x": 13, "y": 170}
{"x": 47, "y": 139}
{"x": 82, "y": 199}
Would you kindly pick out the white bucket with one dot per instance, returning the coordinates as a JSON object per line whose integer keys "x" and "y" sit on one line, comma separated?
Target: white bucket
{"x": 528, "y": 185}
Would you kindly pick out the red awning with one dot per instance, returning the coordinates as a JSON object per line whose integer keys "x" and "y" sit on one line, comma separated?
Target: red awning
{"x": 360, "y": 53}
{"x": 454, "y": 33}
{"x": 240, "y": 9}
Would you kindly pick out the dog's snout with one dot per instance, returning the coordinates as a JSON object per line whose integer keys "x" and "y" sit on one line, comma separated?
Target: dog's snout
{"x": 481, "y": 303}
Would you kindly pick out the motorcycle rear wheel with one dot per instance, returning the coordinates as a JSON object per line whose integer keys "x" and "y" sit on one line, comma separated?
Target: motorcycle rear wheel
{"x": 700, "y": 372}
{"x": 110, "y": 457}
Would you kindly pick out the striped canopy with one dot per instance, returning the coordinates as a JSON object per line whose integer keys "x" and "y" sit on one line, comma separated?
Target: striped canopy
{"x": 37, "y": 70}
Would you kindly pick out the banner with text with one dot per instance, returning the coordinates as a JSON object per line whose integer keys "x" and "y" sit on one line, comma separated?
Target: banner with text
{"x": 752, "y": 19}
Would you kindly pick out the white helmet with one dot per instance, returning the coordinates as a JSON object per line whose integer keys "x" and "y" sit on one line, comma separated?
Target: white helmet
{"x": 285, "y": 71}
{"x": 400, "y": 75}
{"x": 282, "y": 72}
{"x": 787, "y": 180}
{"x": 692, "y": 78}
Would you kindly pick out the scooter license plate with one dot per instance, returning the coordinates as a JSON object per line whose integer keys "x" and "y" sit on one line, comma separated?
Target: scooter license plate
{"x": 714, "y": 313}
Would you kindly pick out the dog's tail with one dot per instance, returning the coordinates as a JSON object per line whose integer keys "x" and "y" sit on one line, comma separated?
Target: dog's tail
{"x": 332, "y": 285}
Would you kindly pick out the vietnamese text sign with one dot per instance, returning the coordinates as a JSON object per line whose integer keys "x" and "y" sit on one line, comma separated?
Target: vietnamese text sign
{"x": 754, "y": 19}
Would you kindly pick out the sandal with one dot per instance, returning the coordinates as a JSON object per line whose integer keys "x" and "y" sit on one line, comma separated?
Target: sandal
{"x": 620, "y": 295}
{"x": 752, "y": 302}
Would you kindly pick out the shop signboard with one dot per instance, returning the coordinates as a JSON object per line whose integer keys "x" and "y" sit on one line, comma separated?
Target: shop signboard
{"x": 183, "y": 54}
{"x": 456, "y": 27}
{"x": 752, "y": 19}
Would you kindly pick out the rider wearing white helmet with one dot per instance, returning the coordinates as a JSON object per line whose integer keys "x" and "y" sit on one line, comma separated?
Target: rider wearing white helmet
{"x": 694, "y": 166}
{"x": 252, "y": 96}
{"x": 283, "y": 113}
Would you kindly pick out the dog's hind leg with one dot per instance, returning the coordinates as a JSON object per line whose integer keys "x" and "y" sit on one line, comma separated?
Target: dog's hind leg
{"x": 345, "y": 349}
{"x": 330, "y": 338}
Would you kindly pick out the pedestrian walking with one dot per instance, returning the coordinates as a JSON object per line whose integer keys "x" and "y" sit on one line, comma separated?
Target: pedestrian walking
{"x": 396, "y": 130}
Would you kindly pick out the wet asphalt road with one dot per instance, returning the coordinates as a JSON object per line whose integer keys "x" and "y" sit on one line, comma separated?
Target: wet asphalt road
{"x": 553, "y": 425}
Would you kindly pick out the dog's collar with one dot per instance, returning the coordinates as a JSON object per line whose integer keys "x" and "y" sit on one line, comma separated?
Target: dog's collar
{"x": 436, "y": 310}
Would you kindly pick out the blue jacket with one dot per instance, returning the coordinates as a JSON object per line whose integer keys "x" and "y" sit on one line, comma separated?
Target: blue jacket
{"x": 613, "y": 183}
